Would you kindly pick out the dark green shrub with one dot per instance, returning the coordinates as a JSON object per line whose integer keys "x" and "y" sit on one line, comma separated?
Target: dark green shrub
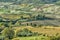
{"x": 6, "y": 24}
{"x": 25, "y": 32}
{"x": 55, "y": 38}
{"x": 34, "y": 25}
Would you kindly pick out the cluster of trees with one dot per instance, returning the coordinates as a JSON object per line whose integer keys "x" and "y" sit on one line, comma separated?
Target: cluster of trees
{"x": 19, "y": 21}
{"x": 37, "y": 17}
{"x": 25, "y": 33}
{"x": 9, "y": 33}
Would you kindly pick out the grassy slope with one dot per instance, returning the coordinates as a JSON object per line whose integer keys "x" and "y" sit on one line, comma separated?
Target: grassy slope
{"x": 32, "y": 38}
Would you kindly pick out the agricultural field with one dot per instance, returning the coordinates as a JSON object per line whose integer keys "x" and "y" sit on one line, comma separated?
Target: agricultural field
{"x": 48, "y": 30}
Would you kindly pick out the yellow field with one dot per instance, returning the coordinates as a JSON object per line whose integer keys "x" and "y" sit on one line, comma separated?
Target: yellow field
{"x": 48, "y": 30}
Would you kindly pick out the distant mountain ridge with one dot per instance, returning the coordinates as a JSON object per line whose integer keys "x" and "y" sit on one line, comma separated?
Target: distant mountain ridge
{"x": 30, "y": 1}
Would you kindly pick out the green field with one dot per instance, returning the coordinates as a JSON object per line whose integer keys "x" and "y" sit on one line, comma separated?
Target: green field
{"x": 32, "y": 38}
